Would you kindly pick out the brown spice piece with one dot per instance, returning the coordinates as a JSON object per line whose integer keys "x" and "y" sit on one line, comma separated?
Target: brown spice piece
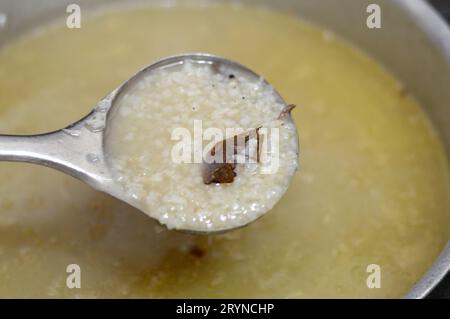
{"x": 287, "y": 110}
{"x": 223, "y": 172}
{"x": 219, "y": 173}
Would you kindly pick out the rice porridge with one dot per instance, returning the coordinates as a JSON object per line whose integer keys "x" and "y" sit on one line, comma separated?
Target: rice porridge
{"x": 151, "y": 150}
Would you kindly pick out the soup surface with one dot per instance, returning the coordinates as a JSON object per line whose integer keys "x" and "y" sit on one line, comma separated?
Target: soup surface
{"x": 372, "y": 186}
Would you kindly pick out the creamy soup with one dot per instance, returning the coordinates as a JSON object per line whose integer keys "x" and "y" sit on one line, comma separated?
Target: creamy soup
{"x": 372, "y": 186}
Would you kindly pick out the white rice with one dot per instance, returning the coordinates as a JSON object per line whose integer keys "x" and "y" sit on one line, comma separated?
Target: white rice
{"x": 139, "y": 147}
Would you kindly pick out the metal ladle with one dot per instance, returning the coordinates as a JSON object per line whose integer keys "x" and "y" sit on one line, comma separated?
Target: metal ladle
{"x": 79, "y": 149}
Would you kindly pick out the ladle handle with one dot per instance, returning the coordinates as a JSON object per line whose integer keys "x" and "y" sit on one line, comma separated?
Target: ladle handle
{"x": 40, "y": 149}
{"x": 58, "y": 150}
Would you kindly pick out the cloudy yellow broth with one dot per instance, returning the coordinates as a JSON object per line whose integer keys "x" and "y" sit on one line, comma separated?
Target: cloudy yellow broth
{"x": 372, "y": 187}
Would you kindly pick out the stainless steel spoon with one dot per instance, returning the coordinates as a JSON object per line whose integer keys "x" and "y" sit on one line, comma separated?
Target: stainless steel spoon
{"x": 78, "y": 149}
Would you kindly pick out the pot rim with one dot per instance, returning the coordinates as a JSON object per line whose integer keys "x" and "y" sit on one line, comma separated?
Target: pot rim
{"x": 438, "y": 31}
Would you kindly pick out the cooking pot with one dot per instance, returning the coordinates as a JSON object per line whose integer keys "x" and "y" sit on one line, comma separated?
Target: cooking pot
{"x": 413, "y": 43}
